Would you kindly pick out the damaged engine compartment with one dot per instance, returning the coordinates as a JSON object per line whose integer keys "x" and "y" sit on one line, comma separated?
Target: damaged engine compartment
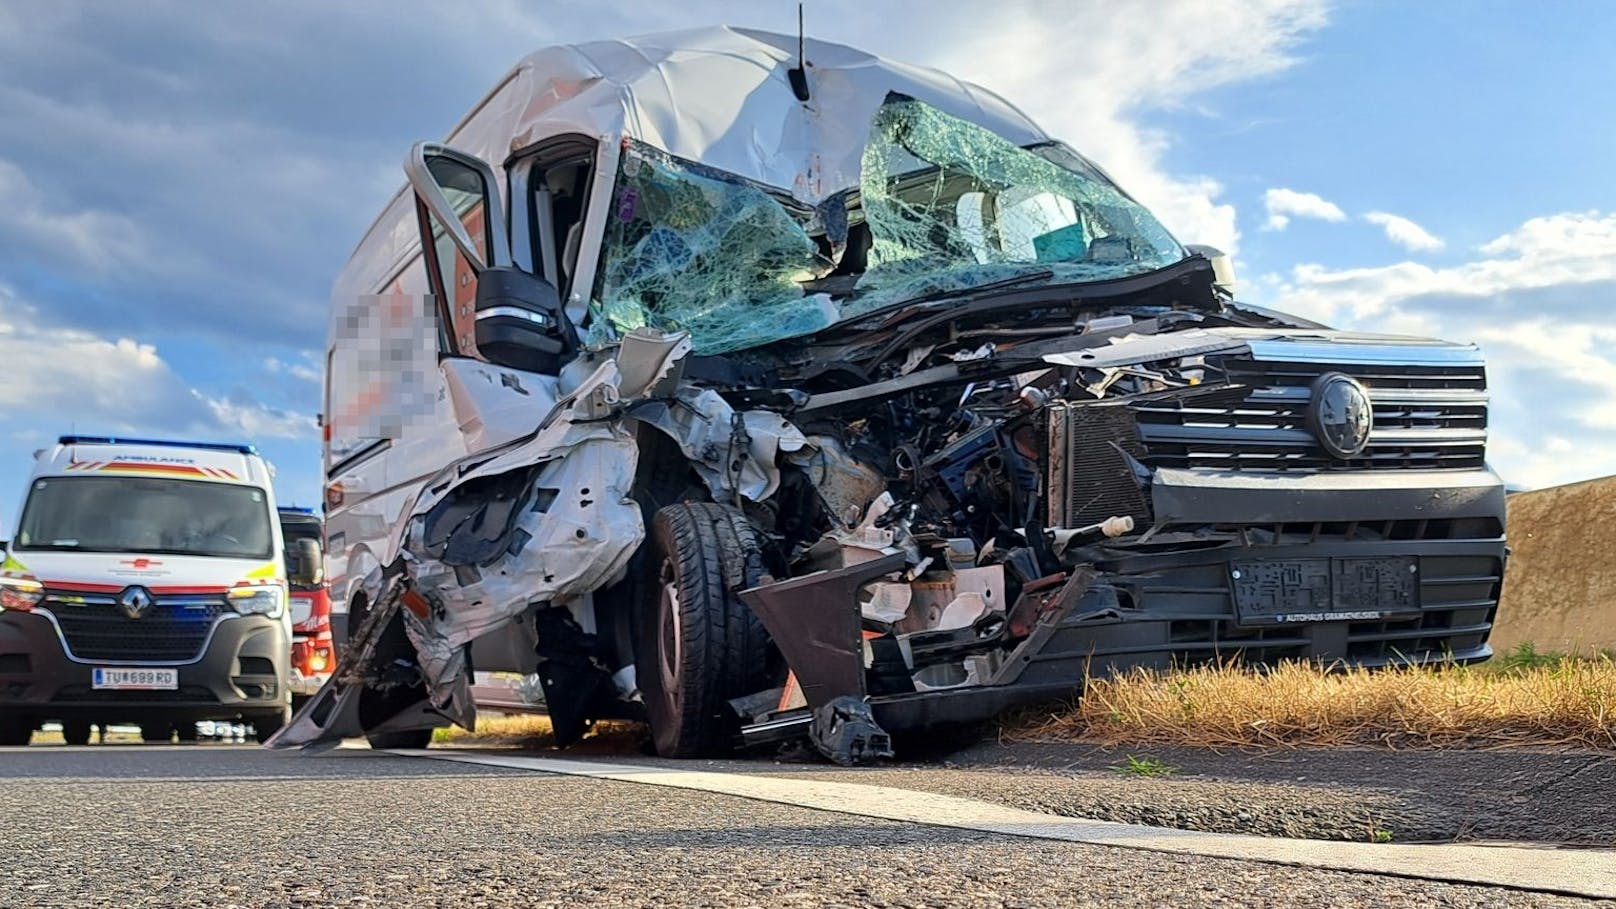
{"x": 906, "y": 453}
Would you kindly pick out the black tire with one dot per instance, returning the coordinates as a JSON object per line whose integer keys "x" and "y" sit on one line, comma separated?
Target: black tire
{"x": 267, "y": 724}
{"x": 156, "y": 733}
{"x": 15, "y": 731}
{"x": 697, "y": 645}
{"x": 408, "y": 738}
{"x": 76, "y": 732}
{"x": 186, "y": 733}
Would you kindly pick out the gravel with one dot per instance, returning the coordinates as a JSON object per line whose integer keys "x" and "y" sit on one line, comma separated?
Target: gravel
{"x": 1414, "y": 796}
{"x": 239, "y": 827}
{"x": 1551, "y": 797}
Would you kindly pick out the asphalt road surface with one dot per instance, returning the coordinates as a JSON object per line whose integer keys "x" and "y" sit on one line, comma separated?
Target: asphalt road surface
{"x": 224, "y": 826}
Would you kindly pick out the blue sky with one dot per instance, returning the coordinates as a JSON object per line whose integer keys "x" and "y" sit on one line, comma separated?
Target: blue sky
{"x": 180, "y": 182}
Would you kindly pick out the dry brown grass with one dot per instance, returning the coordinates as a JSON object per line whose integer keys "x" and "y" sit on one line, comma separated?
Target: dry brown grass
{"x": 523, "y": 730}
{"x": 502, "y": 729}
{"x": 1562, "y": 703}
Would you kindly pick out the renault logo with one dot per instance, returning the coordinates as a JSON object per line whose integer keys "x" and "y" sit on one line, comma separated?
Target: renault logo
{"x": 135, "y": 602}
{"x": 1341, "y": 415}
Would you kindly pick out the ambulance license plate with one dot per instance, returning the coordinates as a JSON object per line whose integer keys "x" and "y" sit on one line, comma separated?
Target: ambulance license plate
{"x": 132, "y": 678}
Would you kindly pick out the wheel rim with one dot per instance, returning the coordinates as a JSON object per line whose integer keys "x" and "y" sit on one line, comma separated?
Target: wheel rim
{"x": 670, "y": 649}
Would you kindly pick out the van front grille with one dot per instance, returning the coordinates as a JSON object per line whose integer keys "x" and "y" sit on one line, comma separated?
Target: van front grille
{"x": 174, "y": 630}
{"x": 1425, "y": 417}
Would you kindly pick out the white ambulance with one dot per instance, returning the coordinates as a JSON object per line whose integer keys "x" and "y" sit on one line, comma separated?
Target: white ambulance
{"x": 144, "y": 583}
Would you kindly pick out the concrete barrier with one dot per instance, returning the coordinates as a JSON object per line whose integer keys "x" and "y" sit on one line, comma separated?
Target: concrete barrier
{"x": 1560, "y": 587}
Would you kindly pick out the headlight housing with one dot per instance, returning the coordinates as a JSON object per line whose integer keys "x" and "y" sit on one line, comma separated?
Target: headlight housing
{"x": 265, "y": 601}
{"x": 20, "y": 594}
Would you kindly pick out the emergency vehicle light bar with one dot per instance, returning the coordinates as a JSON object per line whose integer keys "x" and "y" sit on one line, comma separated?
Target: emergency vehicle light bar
{"x": 161, "y": 443}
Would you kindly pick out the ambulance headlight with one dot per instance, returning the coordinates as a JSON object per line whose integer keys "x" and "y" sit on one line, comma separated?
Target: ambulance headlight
{"x": 265, "y": 601}
{"x": 20, "y": 594}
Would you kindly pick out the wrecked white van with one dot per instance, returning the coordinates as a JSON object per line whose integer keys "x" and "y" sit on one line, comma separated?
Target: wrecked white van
{"x": 765, "y": 396}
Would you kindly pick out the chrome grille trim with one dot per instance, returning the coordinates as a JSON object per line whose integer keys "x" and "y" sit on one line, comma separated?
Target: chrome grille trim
{"x": 1425, "y": 417}
{"x": 103, "y": 636}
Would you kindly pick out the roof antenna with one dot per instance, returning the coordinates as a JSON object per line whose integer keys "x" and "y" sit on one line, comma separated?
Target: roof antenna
{"x": 799, "y": 74}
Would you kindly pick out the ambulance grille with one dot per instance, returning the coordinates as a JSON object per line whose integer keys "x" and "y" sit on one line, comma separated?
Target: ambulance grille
{"x": 174, "y": 630}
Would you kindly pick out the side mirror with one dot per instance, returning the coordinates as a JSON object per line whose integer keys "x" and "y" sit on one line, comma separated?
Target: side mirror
{"x": 1222, "y": 266}
{"x": 450, "y": 183}
{"x": 521, "y": 323}
{"x": 310, "y": 568}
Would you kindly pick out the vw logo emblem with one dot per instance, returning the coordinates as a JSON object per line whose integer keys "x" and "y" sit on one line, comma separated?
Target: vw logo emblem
{"x": 135, "y": 602}
{"x": 1341, "y": 415}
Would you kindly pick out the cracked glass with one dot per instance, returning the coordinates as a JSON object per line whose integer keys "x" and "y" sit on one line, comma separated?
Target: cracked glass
{"x": 942, "y": 204}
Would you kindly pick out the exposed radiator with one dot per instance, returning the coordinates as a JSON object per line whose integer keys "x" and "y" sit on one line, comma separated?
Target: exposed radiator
{"x": 1090, "y": 478}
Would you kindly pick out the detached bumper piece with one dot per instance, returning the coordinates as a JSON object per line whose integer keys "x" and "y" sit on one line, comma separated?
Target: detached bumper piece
{"x": 845, "y": 731}
{"x": 823, "y": 646}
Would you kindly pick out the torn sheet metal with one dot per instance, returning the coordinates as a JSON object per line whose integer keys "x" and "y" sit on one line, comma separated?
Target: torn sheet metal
{"x": 845, "y": 484}
{"x": 815, "y": 621}
{"x": 648, "y": 362}
{"x": 565, "y": 526}
{"x": 570, "y": 530}
{"x": 735, "y": 452}
{"x": 333, "y": 713}
{"x": 575, "y": 532}
{"x": 487, "y": 413}
{"x": 1131, "y": 349}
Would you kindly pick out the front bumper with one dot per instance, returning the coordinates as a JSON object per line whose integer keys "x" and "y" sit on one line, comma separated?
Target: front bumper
{"x": 242, "y": 672}
{"x": 1182, "y": 604}
{"x": 1157, "y": 605}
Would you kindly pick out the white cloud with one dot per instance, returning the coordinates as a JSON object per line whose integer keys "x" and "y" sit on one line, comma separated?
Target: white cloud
{"x": 1405, "y": 233}
{"x": 296, "y": 370}
{"x": 1284, "y": 204}
{"x": 60, "y": 378}
{"x": 1533, "y": 466}
{"x": 99, "y": 241}
{"x": 1544, "y": 252}
{"x": 1553, "y": 378}
{"x": 1088, "y": 72}
{"x": 258, "y": 421}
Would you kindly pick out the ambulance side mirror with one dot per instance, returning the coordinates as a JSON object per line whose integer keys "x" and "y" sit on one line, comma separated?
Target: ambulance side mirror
{"x": 310, "y": 568}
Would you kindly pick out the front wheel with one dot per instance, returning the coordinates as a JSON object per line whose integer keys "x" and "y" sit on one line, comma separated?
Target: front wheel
{"x": 156, "y": 733}
{"x": 76, "y": 732}
{"x": 697, "y": 645}
{"x": 408, "y": 738}
{"x": 15, "y": 731}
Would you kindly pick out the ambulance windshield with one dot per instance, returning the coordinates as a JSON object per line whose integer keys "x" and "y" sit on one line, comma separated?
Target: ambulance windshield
{"x": 146, "y": 515}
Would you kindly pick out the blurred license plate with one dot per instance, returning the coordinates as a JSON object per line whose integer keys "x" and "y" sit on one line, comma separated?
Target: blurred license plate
{"x": 1324, "y": 590}
{"x": 130, "y": 678}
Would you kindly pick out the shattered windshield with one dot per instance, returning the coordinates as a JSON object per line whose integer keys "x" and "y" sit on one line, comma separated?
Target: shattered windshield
{"x": 949, "y": 204}
{"x": 942, "y": 204}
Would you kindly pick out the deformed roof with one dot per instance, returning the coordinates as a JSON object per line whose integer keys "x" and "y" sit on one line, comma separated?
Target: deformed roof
{"x": 722, "y": 96}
